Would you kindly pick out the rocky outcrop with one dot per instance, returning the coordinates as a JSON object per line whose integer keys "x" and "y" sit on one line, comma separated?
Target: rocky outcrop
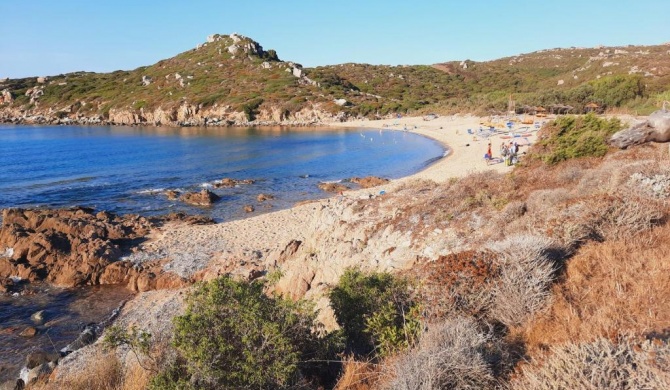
{"x": 655, "y": 129}
{"x": 78, "y": 246}
{"x": 230, "y": 183}
{"x": 6, "y": 97}
{"x": 172, "y": 194}
{"x": 181, "y": 116}
{"x": 203, "y": 198}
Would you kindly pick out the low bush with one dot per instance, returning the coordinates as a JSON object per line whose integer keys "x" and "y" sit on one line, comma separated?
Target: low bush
{"x": 232, "y": 335}
{"x": 376, "y": 312}
{"x": 450, "y": 355}
{"x": 570, "y": 137}
{"x": 526, "y": 272}
{"x": 601, "y": 364}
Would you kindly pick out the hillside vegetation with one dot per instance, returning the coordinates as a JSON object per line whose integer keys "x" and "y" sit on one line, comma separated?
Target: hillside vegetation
{"x": 233, "y": 77}
{"x": 557, "y": 277}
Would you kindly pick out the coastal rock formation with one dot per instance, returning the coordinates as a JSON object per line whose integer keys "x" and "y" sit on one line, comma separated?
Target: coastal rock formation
{"x": 6, "y": 97}
{"x": 369, "y": 181}
{"x": 74, "y": 247}
{"x": 172, "y": 194}
{"x": 230, "y": 183}
{"x": 655, "y": 129}
{"x": 203, "y": 198}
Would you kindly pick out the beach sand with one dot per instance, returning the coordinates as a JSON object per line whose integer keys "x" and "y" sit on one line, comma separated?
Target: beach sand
{"x": 466, "y": 150}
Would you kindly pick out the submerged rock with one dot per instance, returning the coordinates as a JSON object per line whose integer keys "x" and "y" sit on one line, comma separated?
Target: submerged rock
{"x": 202, "y": 198}
{"x": 230, "y": 183}
{"x": 38, "y": 317}
{"x": 264, "y": 197}
{"x": 333, "y": 187}
{"x": 28, "y": 332}
{"x": 172, "y": 194}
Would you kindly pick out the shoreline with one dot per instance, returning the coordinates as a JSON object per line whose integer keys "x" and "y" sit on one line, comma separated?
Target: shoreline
{"x": 464, "y": 151}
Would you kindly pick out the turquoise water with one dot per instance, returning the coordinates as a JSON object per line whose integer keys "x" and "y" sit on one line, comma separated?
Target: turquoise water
{"x": 127, "y": 169}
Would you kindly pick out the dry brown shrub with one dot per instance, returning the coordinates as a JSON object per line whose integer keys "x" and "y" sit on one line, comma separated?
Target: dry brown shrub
{"x": 458, "y": 284}
{"x": 602, "y": 217}
{"x": 541, "y": 201}
{"x": 104, "y": 372}
{"x": 357, "y": 375}
{"x": 609, "y": 288}
{"x": 450, "y": 355}
{"x": 598, "y": 365}
{"x": 526, "y": 272}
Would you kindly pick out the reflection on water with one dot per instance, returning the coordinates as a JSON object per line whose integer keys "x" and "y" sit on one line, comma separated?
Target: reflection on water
{"x": 66, "y": 313}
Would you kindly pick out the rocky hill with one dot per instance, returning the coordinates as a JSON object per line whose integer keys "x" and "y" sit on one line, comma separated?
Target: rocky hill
{"x": 232, "y": 80}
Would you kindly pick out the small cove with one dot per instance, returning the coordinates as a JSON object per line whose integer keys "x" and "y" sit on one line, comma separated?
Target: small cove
{"x": 127, "y": 169}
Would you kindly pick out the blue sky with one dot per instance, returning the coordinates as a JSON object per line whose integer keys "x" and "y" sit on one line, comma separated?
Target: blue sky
{"x": 47, "y": 37}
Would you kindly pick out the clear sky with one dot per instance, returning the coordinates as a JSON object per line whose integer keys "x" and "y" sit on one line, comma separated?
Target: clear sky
{"x": 47, "y": 37}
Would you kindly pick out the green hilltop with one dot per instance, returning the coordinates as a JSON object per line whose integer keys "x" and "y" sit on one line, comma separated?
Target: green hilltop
{"x": 233, "y": 76}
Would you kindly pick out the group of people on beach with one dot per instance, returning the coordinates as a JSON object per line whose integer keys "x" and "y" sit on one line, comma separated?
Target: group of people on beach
{"x": 509, "y": 153}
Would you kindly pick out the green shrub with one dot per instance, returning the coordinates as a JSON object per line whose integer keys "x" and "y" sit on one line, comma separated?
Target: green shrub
{"x": 376, "y": 312}
{"x": 234, "y": 336}
{"x": 250, "y": 108}
{"x": 573, "y": 137}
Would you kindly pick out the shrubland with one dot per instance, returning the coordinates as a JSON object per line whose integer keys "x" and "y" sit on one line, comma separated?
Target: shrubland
{"x": 631, "y": 79}
{"x": 558, "y": 277}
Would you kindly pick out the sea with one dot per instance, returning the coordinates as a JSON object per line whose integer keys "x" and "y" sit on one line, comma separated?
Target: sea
{"x": 128, "y": 169}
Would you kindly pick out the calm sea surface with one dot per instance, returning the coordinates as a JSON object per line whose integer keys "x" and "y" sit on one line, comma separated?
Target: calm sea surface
{"x": 127, "y": 169}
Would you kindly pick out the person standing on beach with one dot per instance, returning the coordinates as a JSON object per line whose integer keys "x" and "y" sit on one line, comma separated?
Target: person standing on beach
{"x": 489, "y": 154}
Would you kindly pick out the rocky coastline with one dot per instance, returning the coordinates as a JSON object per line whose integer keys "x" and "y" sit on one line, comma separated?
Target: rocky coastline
{"x": 186, "y": 115}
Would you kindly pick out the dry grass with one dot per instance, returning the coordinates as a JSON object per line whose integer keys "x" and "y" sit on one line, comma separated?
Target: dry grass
{"x": 600, "y": 364}
{"x": 105, "y": 372}
{"x": 357, "y": 375}
{"x": 609, "y": 288}
{"x": 450, "y": 355}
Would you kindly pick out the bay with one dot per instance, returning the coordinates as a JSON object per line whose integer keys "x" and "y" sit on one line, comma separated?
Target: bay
{"x": 127, "y": 169}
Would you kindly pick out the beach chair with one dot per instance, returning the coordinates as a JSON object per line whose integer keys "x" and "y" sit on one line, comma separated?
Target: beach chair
{"x": 471, "y": 132}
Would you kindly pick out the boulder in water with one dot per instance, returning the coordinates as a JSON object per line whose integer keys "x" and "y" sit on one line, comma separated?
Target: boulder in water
{"x": 28, "y": 332}
{"x": 172, "y": 194}
{"x": 38, "y": 317}
{"x": 202, "y": 198}
{"x": 264, "y": 197}
{"x": 333, "y": 187}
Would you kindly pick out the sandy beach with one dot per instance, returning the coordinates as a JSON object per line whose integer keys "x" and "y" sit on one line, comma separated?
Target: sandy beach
{"x": 466, "y": 151}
